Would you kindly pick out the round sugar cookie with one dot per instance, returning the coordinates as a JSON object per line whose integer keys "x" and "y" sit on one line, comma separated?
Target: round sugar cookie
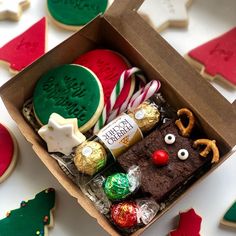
{"x": 8, "y": 152}
{"x": 72, "y": 91}
{"x": 108, "y": 66}
{"x": 76, "y": 13}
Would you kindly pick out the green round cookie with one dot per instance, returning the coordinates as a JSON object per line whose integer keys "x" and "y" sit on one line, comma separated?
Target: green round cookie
{"x": 75, "y": 12}
{"x": 72, "y": 91}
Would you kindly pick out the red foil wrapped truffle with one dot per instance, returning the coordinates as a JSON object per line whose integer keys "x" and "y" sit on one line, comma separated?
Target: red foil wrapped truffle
{"x": 124, "y": 214}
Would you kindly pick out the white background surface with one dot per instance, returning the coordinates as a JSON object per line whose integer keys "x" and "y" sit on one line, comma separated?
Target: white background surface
{"x": 210, "y": 198}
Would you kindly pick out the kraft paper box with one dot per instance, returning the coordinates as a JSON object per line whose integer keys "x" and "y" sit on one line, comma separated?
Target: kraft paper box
{"x": 123, "y": 30}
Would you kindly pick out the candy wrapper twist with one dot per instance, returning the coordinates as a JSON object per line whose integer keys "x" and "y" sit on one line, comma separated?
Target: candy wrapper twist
{"x": 129, "y": 214}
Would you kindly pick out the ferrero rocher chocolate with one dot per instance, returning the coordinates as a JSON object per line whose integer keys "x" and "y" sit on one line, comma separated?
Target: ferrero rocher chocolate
{"x": 90, "y": 157}
{"x": 146, "y": 115}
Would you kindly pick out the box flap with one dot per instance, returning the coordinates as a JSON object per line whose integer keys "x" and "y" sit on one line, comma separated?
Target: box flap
{"x": 207, "y": 102}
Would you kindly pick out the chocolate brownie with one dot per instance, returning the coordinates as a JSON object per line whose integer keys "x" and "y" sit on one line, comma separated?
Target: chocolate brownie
{"x": 157, "y": 181}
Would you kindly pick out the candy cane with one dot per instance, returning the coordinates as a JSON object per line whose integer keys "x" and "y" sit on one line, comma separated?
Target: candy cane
{"x": 114, "y": 95}
{"x": 124, "y": 106}
{"x": 139, "y": 97}
{"x": 143, "y": 94}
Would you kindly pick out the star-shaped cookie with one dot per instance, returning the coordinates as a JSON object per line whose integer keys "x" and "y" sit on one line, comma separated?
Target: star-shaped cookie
{"x": 165, "y": 13}
{"x": 12, "y": 9}
{"x": 61, "y": 135}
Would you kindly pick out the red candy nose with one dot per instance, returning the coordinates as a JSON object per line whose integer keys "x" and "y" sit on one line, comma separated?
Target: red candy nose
{"x": 160, "y": 157}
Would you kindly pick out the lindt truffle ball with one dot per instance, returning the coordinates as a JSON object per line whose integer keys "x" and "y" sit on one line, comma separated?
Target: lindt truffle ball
{"x": 124, "y": 214}
{"x": 90, "y": 157}
{"x": 117, "y": 186}
{"x": 146, "y": 115}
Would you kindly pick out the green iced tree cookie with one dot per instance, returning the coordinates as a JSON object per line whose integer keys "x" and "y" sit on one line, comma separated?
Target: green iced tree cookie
{"x": 32, "y": 218}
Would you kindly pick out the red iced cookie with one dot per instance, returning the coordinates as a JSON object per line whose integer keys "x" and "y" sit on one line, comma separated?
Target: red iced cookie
{"x": 216, "y": 58}
{"x": 25, "y": 48}
{"x": 108, "y": 66}
{"x": 189, "y": 224}
{"x": 8, "y": 153}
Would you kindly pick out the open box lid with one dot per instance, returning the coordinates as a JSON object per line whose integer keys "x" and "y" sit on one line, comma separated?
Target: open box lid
{"x": 205, "y": 100}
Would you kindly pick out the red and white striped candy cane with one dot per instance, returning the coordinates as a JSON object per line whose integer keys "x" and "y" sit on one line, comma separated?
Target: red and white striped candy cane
{"x": 143, "y": 94}
{"x": 139, "y": 97}
{"x": 124, "y": 106}
{"x": 114, "y": 95}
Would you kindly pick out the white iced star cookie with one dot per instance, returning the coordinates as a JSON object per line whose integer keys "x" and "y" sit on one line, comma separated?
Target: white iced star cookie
{"x": 61, "y": 135}
{"x": 12, "y": 9}
{"x": 165, "y": 13}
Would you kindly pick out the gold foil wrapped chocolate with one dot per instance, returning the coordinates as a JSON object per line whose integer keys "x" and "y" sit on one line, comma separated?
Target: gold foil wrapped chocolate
{"x": 90, "y": 157}
{"x": 146, "y": 115}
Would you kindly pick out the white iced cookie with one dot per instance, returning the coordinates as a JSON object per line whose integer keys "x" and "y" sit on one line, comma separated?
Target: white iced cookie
{"x": 61, "y": 135}
{"x": 12, "y": 9}
{"x": 165, "y": 13}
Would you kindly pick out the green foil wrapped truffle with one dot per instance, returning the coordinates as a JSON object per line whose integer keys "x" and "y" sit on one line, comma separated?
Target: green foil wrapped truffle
{"x": 117, "y": 186}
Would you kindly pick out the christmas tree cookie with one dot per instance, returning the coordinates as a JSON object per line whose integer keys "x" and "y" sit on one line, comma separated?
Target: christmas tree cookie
{"x": 25, "y": 48}
{"x": 189, "y": 224}
{"x": 229, "y": 219}
{"x": 32, "y": 218}
{"x": 216, "y": 58}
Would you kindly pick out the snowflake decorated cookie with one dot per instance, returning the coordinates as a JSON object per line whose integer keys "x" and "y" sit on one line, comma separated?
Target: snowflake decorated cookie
{"x": 12, "y": 9}
{"x": 165, "y": 13}
{"x": 61, "y": 135}
{"x": 34, "y": 217}
{"x": 25, "y": 48}
{"x": 8, "y": 150}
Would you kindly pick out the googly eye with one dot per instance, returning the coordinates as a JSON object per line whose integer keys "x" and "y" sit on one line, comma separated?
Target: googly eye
{"x": 183, "y": 154}
{"x": 169, "y": 139}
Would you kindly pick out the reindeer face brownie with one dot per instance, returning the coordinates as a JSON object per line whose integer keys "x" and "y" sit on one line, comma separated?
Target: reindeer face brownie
{"x": 167, "y": 157}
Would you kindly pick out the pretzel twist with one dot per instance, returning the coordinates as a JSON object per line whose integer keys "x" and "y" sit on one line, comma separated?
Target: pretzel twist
{"x": 185, "y": 131}
{"x": 210, "y": 146}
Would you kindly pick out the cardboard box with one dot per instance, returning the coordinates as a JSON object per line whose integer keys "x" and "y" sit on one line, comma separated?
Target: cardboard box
{"x": 123, "y": 30}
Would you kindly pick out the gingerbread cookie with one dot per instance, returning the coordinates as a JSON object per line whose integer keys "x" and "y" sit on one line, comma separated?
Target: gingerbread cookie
{"x": 216, "y": 59}
{"x": 8, "y": 150}
{"x": 165, "y": 13}
{"x": 25, "y": 48}
{"x": 229, "y": 219}
{"x": 72, "y": 91}
{"x": 32, "y": 218}
{"x": 12, "y": 10}
{"x": 61, "y": 135}
{"x": 108, "y": 66}
{"x": 189, "y": 224}
{"x": 73, "y": 15}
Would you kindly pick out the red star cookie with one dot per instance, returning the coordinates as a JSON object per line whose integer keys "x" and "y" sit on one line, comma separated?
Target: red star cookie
{"x": 25, "y": 48}
{"x": 216, "y": 58}
{"x": 8, "y": 153}
{"x": 189, "y": 224}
